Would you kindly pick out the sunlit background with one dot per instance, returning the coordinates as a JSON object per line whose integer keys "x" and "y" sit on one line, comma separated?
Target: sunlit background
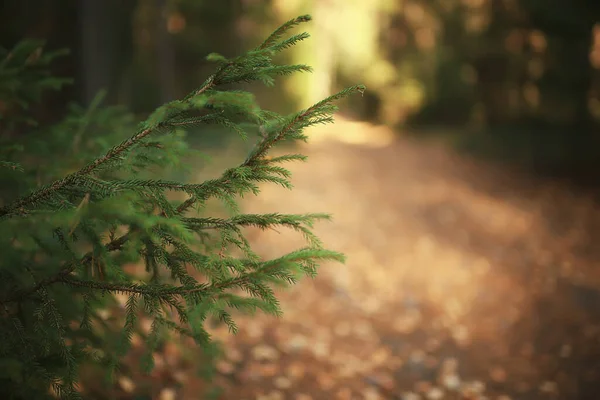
{"x": 462, "y": 184}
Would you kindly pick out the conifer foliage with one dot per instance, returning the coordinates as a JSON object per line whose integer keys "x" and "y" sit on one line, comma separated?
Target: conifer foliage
{"x": 69, "y": 222}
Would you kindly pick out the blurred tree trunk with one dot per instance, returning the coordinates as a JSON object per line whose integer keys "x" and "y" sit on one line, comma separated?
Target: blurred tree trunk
{"x": 106, "y": 45}
{"x": 96, "y": 56}
{"x": 450, "y": 97}
{"x": 165, "y": 54}
{"x": 491, "y": 65}
{"x": 580, "y": 82}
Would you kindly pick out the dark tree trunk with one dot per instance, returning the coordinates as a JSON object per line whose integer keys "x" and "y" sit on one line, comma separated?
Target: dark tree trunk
{"x": 106, "y": 45}
{"x": 96, "y": 55}
{"x": 165, "y": 55}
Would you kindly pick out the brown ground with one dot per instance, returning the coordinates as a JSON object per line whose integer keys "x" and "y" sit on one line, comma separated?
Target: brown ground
{"x": 462, "y": 282}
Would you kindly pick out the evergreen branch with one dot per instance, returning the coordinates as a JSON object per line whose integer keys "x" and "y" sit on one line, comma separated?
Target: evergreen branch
{"x": 287, "y": 69}
{"x": 151, "y": 290}
{"x": 287, "y": 43}
{"x": 263, "y": 147}
{"x": 113, "y": 245}
{"x": 113, "y": 195}
{"x": 46, "y": 191}
{"x": 279, "y": 32}
{"x": 269, "y": 141}
{"x": 263, "y": 221}
{"x": 183, "y": 207}
{"x": 164, "y": 290}
{"x": 19, "y": 205}
{"x": 266, "y": 144}
{"x": 269, "y": 266}
{"x": 113, "y": 187}
{"x": 11, "y": 165}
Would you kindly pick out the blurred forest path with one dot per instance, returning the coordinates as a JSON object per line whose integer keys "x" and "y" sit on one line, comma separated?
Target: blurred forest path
{"x": 463, "y": 281}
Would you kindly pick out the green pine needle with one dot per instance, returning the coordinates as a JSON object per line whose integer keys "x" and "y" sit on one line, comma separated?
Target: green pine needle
{"x": 71, "y": 239}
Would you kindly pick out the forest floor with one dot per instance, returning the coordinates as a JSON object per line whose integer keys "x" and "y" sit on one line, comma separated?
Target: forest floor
{"x": 462, "y": 281}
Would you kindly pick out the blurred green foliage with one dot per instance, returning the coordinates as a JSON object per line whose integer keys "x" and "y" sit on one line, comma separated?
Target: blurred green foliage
{"x": 521, "y": 79}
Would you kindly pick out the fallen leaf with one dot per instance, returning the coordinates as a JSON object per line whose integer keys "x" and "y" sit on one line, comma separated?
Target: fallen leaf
{"x": 565, "y": 351}
{"x": 171, "y": 352}
{"x": 381, "y": 356}
{"x": 233, "y": 354}
{"x": 363, "y": 329}
{"x": 273, "y": 395}
{"x": 461, "y": 335}
{"x": 423, "y": 386}
{"x": 435, "y": 394}
{"x": 382, "y": 379}
{"x": 498, "y": 374}
{"x": 343, "y": 394}
{"x": 321, "y": 349}
{"x": 296, "y": 370}
{"x": 297, "y": 342}
{"x": 326, "y": 381}
{"x": 126, "y": 384}
{"x": 371, "y": 393}
{"x": 180, "y": 376}
{"x": 410, "y": 396}
{"x": 225, "y": 367}
{"x": 450, "y": 381}
{"x": 167, "y": 394}
{"x": 549, "y": 387}
{"x": 255, "y": 330}
{"x": 282, "y": 382}
{"x": 268, "y": 370}
{"x": 342, "y": 329}
{"x": 449, "y": 366}
{"x": 264, "y": 352}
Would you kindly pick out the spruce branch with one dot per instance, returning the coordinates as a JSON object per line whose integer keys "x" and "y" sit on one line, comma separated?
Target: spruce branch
{"x": 194, "y": 264}
{"x": 270, "y": 267}
{"x": 261, "y": 149}
{"x": 219, "y": 77}
{"x": 113, "y": 245}
{"x": 48, "y": 190}
{"x": 54, "y": 187}
{"x": 279, "y": 32}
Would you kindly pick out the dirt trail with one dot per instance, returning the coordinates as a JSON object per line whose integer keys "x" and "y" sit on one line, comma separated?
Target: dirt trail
{"x": 462, "y": 282}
